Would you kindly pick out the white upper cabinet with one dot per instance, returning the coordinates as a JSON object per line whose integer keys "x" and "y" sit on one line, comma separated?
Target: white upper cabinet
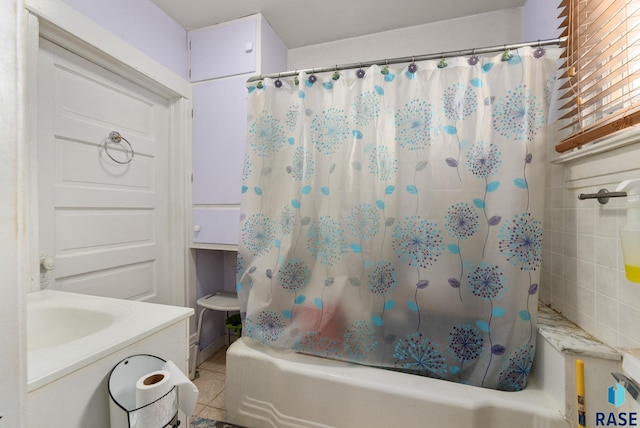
{"x": 224, "y": 50}
{"x": 222, "y": 58}
{"x": 219, "y": 133}
{"x": 246, "y": 45}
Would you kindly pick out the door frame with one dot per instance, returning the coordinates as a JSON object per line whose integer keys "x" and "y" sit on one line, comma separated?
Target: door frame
{"x": 66, "y": 27}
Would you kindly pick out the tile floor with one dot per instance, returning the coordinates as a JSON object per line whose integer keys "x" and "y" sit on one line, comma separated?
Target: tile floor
{"x": 210, "y": 385}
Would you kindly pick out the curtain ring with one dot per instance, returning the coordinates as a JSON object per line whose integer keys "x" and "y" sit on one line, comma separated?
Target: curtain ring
{"x": 442, "y": 63}
{"x": 385, "y": 69}
{"x": 506, "y": 55}
{"x": 539, "y": 52}
{"x": 116, "y": 138}
{"x": 312, "y": 77}
{"x": 336, "y": 75}
{"x": 473, "y": 59}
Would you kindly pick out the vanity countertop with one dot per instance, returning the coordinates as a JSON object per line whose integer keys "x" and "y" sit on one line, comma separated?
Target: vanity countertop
{"x": 102, "y": 326}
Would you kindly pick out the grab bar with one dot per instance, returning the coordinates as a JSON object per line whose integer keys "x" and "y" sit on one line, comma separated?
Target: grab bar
{"x": 602, "y": 196}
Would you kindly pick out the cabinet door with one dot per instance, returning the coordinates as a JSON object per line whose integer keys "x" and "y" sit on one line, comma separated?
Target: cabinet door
{"x": 216, "y": 225}
{"x": 219, "y": 136}
{"x": 224, "y": 50}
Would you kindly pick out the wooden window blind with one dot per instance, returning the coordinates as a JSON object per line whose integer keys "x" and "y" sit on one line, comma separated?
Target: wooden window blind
{"x": 601, "y": 93}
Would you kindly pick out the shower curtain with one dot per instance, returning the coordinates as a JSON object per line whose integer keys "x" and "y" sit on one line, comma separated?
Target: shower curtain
{"x": 392, "y": 215}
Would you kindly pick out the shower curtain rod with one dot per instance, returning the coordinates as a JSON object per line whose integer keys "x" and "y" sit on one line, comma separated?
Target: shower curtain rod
{"x": 398, "y": 60}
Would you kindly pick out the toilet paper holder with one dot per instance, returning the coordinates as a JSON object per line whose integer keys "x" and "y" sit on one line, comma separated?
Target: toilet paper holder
{"x": 123, "y": 410}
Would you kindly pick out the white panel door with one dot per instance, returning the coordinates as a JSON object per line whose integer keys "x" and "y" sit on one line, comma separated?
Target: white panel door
{"x": 104, "y": 223}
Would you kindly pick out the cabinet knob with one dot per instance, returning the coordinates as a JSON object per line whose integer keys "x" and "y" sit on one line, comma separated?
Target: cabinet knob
{"x": 196, "y": 228}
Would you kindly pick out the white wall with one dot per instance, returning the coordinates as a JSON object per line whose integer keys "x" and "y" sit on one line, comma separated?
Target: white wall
{"x": 583, "y": 272}
{"x": 144, "y": 26}
{"x": 477, "y": 31}
{"x": 12, "y": 235}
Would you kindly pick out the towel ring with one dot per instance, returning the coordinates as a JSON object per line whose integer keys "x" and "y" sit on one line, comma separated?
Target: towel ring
{"x": 116, "y": 138}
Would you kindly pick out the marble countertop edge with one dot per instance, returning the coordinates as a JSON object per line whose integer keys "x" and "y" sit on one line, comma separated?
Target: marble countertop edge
{"x": 565, "y": 336}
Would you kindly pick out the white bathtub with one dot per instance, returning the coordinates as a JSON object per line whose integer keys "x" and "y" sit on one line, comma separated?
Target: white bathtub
{"x": 73, "y": 342}
{"x": 269, "y": 388}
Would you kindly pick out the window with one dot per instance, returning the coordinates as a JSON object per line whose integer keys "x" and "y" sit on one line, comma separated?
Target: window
{"x": 600, "y": 94}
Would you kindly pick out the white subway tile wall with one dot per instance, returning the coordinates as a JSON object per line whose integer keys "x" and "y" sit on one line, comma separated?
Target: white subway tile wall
{"x": 582, "y": 267}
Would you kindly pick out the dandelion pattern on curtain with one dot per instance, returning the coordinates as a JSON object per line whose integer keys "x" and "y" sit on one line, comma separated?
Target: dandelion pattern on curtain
{"x": 392, "y": 216}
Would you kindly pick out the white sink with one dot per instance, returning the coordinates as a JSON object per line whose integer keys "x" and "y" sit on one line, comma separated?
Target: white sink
{"x": 75, "y": 340}
{"x": 67, "y": 331}
{"x": 49, "y": 325}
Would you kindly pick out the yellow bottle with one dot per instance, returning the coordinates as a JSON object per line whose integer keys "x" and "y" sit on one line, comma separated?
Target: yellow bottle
{"x": 630, "y": 233}
{"x": 633, "y": 272}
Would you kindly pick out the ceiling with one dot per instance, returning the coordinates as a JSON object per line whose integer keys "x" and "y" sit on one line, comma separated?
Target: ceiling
{"x": 308, "y": 22}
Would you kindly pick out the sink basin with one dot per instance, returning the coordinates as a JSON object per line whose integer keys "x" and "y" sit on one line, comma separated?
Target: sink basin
{"x": 51, "y": 324}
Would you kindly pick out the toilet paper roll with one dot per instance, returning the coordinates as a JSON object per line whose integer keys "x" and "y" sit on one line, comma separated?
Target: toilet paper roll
{"x": 152, "y": 386}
